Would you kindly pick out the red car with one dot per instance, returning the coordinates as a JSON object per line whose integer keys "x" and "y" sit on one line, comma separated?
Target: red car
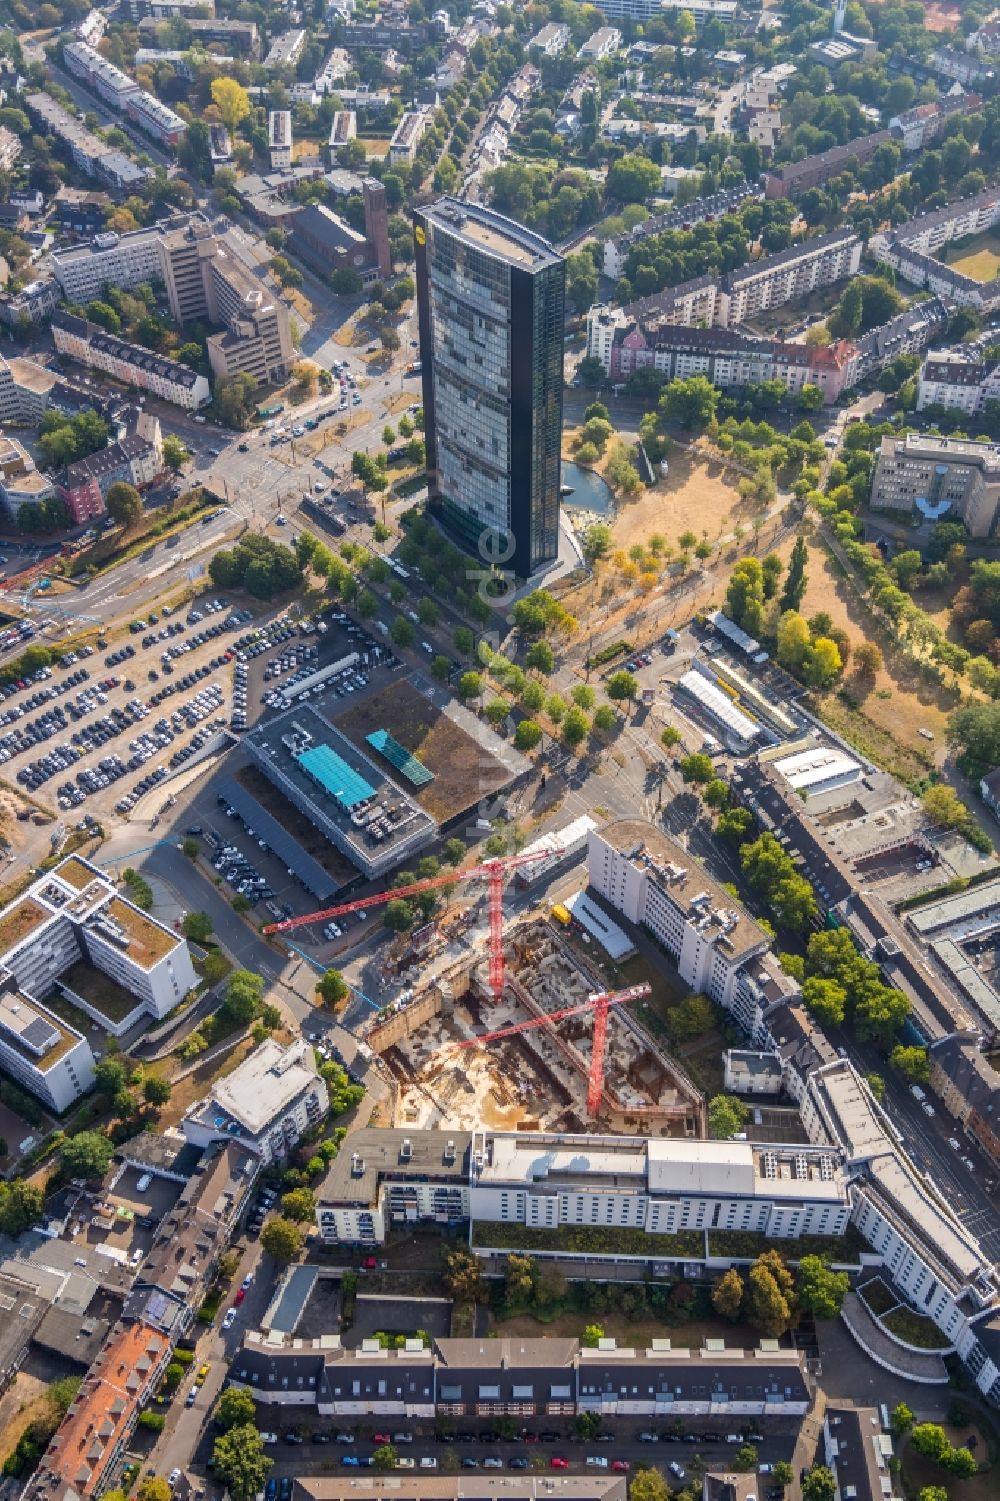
{"x": 370, "y": 1263}
{"x": 241, "y": 1293}
{"x": 619, "y": 1464}
{"x": 558, "y": 1463}
{"x": 382, "y": 1438}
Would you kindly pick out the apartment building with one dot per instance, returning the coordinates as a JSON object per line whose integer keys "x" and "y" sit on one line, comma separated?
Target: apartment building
{"x": 108, "y": 260}
{"x": 265, "y": 1105}
{"x": 238, "y": 36}
{"x": 107, "y": 81}
{"x": 343, "y": 128}
{"x": 909, "y": 332}
{"x": 165, "y": 10}
{"x": 729, "y": 300}
{"x": 129, "y": 363}
{"x": 726, "y": 357}
{"x": 20, "y": 482}
{"x": 934, "y": 477}
{"x": 858, "y": 1451}
{"x": 68, "y": 924}
{"x": 650, "y": 880}
{"x": 392, "y": 1178}
{"x": 407, "y": 137}
{"x": 10, "y": 148}
{"x": 93, "y": 1437}
{"x": 919, "y": 126}
{"x": 969, "y": 1088}
{"x": 155, "y": 118}
{"x": 551, "y": 39}
{"x": 958, "y": 383}
{"x": 645, "y": 10}
{"x": 795, "y": 178}
{"x": 25, "y": 389}
{"x": 92, "y": 155}
{"x": 926, "y": 1249}
{"x": 520, "y": 1378}
{"x": 285, "y": 50}
{"x": 604, "y": 42}
{"x": 135, "y": 458}
{"x": 912, "y": 249}
{"x": 279, "y": 134}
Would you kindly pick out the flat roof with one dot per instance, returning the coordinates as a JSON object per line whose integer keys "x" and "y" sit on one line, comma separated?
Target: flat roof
{"x": 34, "y": 1032}
{"x": 263, "y": 1085}
{"x": 148, "y": 942}
{"x": 972, "y": 902}
{"x": 282, "y": 844}
{"x": 807, "y": 768}
{"x": 469, "y": 1486}
{"x": 20, "y": 920}
{"x": 492, "y": 232}
{"x": 335, "y": 776}
{"x": 353, "y": 1175}
{"x": 612, "y": 938}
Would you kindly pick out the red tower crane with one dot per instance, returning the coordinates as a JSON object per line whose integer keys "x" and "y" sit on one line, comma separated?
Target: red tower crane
{"x": 492, "y": 871}
{"x": 600, "y": 1005}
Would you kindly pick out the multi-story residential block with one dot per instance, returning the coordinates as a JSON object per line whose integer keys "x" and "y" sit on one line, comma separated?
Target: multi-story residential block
{"x": 155, "y": 118}
{"x": 222, "y": 146}
{"x": 240, "y": 36}
{"x": 107, "y": 81}
{"x": 518, "y": 1378}
{"x": 68, "y": 925}
{"x": 92, "y": 27}
{"x": 724, "y": 356}
{"x": 407, "y": 137}
{"x": 89, "y": 153}
{"x": 645, "y": 10}
{"x": 279, "y": 132}
{"x": 285, "y": 50}
{"x": 25, "y": 391}
{"x": 20, "y": 482}
{"x": 729, "y": 300}
{"x": 919, "y": 126}
{"x": 989, "y": 791}
{"x": 795, "y": 178}
{"x": 934, "y": 477}
{"x": 551, "y": 39}
{"x": 109, "y": 260}
{"x": 491, "y": 298}
{"x": 32, "y": 304}
{"x": 969, "y": 1088}
{"x": 958, "y": 383}
{"x": 908, "y": 333}
{"x": 333, "y": 71}
{"x": 911, "y": 249}
{"x": 129, "y": 363}
{"x": 343, "y": 128}
{"x": 717, "y": 946}
{"x": 10, "y": 148}
{"x": 265, "y": 1105}
{"x": 859, "y": 1453}
{"x": 166, "y": 10}
{"x": 604, "y": 42}
{"x": 92, "y": 1438}
{"x": 393, "y": 1178}
{"x": 136, "y": 458}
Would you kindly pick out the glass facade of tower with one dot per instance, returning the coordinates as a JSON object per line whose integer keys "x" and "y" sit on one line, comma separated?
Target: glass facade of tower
{"x": 491, "y": 309}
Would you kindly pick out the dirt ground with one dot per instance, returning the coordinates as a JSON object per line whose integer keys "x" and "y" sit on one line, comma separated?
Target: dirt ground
{"x": 695, "y": 496}
{"x": 463, "y": 771}
{"x": 19, "y": 1406}
{"x": 919, "y": 1471}
{"x": 898, "y": 703}
{"x": 632, "y": 1336}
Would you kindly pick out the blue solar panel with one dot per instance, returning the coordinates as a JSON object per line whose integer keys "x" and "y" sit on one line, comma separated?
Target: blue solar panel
{"x": 335, "y": 776}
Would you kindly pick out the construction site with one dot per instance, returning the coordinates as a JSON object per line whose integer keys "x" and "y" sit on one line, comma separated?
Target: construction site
{"x": 451, "y": 1068}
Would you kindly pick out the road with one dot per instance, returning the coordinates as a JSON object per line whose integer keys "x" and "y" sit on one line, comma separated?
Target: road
{"x": 90, "y": 104}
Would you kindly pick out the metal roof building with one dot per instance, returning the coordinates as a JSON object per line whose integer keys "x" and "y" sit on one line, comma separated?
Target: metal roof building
{"x": 738, "y": 727}
{"x": 287, "y": 848}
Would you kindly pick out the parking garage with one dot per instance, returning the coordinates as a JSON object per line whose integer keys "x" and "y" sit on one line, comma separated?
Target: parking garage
{"x": 282, "y": 845}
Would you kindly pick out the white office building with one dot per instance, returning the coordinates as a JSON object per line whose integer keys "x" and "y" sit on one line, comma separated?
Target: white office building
{"x": 267, "y": 1104}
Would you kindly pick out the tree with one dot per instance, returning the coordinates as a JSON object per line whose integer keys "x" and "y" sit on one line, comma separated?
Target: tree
{"x": 632, "y": 178}
{"x": 782, "y": 1473}
{"x": 932, "y": 1493}
{"x": 175, "y": 455}
{"x": 398, "y": 916}
{"x": 912, "y": 1062}
{"x": 402, "y": 632}
{"x": 238, "y": 1456}
{"x": 867, "y": 659}
{"x": 231, "y": 100}
{"x": 332, "y": 988}
{"x": 385, "y": 1457}
{"x": 21, "y": 1206}
{"x": 110, "y": 1076}
{"x": 156, "y": 1090}
{"x": 648, "y": 1485}
{"x": 716, "y": 793}
{"x": 822, "y": 663}
{"x": 87, "y": 1155}
{"x": 235, "y": 397}
{"x": 463, "y": 1275}
{"x": 346, "y": 281}
{"x": 597, "y": 540}
{"x": 527, "y": 735}
{"x": 727, "y": 1295}
{"x": 746, "y": 1457}
{"x": 819, "y": 1485}
{"x": 470, "y": 685}
{"x": 592, "y": 1336}
{"x": 726, "y": 1116}
{"x": 235, "y": 1408}
{"x": 152, "y": 1488}
{"x": 299, "y": 1204}
{"x": 281, "y": 1239}
{"x": 930, "y": 1440}
{"x": 690, "y": 401}
{"x": 197, "y": 926}
{"x": 795, "y": 582}
{"x": 244, "y": 994}
{"x": 541, "y": 658}
{"x": 944, "y": 807}
{"x": 621, "y": 685}
{"x": 124, "y": 504}
{"x": 880, "y": 1012}
{"x": 821, "y": 1290}
{"x": 793, "y": 640}
{"x": 745, "y": 595}
{"x": 825, "y": 1000}
{"x": 961, "y": 1463}
{"x": 574, "y": 726}
{"x": 697, "y": 769}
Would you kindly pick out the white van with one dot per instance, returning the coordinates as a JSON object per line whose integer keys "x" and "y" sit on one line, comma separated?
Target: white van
{"x": 144, "y": 1183}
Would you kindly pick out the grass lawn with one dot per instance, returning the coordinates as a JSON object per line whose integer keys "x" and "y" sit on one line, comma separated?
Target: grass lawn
{"x": 877, "y": 1296}
{"x": 99, "y": 991}
{"x": 638, "y": 1335}
{"x": 980, "y": 259}
{"x": 914, "y": 1329}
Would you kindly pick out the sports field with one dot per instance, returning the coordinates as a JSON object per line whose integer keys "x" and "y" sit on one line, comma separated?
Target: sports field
{"x": 980, "y": 259}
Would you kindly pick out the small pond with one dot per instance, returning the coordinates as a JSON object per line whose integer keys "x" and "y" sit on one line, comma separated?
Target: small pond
{"x": 590, "y": 492}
